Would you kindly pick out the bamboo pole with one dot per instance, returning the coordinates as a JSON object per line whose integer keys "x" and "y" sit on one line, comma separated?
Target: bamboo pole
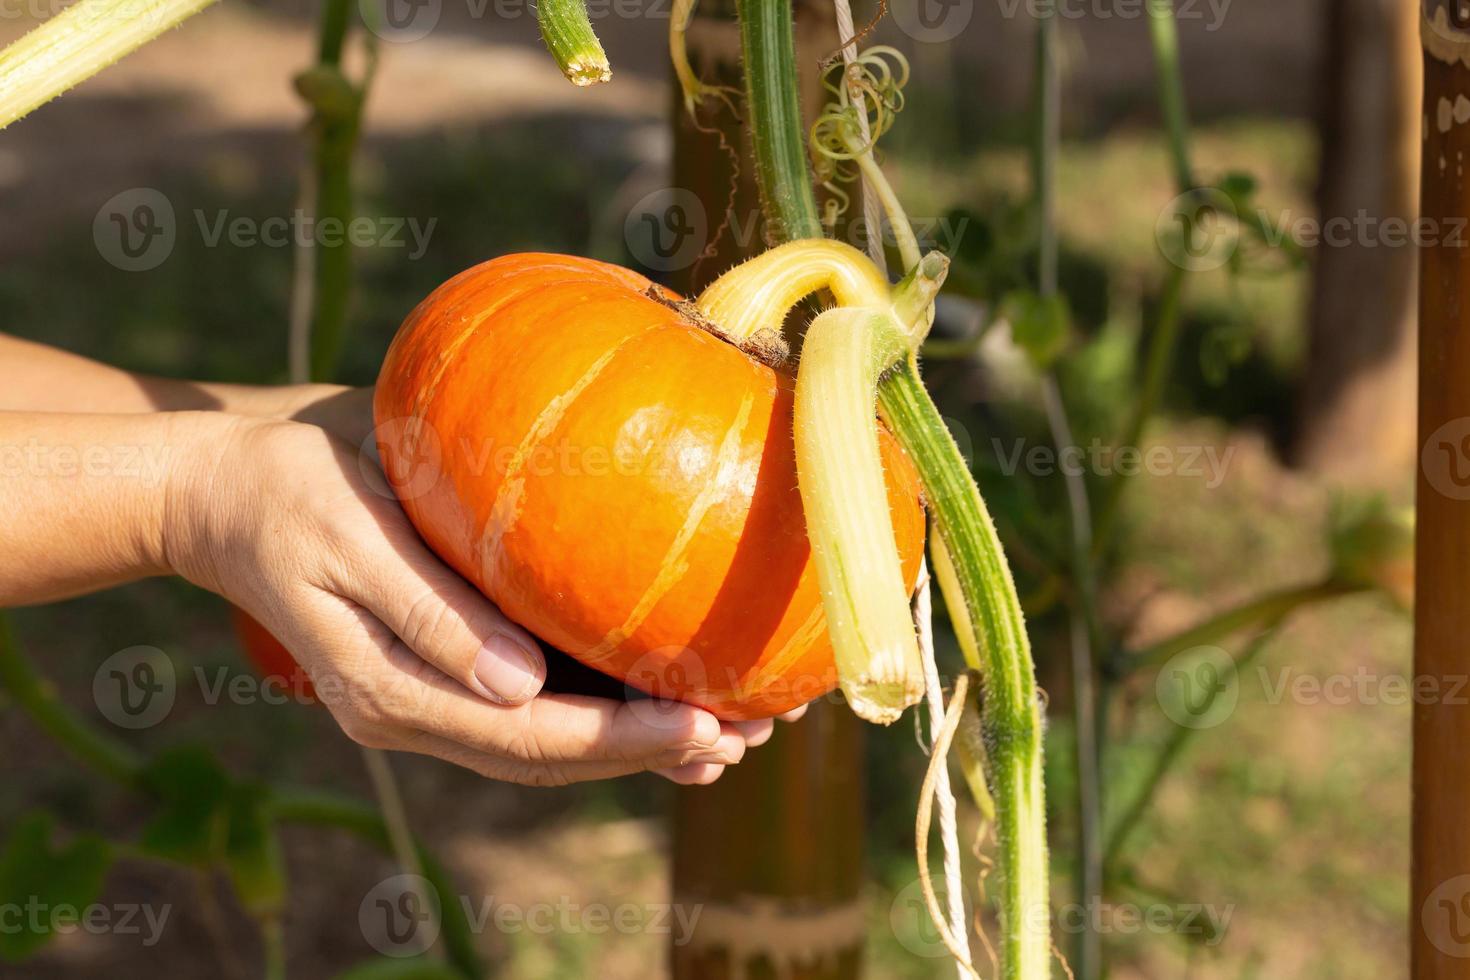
{"x": 773, "y": 852}
{"x": 1440, "y": 905}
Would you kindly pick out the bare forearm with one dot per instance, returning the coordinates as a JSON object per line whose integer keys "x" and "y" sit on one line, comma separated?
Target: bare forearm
{"x": 84, "y": 499}
{"x": 38, "y": 378}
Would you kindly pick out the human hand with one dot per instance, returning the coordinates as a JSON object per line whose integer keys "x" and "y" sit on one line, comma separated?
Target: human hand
{"x": 291, "y": 524}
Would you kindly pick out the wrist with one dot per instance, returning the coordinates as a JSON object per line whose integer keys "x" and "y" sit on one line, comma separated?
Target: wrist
{"x": 200, "y": 444}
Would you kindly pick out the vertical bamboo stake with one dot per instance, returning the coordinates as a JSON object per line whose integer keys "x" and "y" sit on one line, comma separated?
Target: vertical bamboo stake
{"x": 774, "y": 902}
{"x": 1440, "y": 906}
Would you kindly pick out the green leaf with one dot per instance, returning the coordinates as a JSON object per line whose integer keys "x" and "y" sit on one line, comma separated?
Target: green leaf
{"x": 1239, "y": 187}
{"x": 192, "y": 790}
{"x": 1039, "y": 325}
{"x": 417, "y": 968}
{"x": 50, "y": 885}
{"x": 253, "y": 853}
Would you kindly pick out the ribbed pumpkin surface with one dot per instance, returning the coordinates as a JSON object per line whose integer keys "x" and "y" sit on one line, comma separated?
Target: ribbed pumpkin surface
{"x": 616, "y": 479}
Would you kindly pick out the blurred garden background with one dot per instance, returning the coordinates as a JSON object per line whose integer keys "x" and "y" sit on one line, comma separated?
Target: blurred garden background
{"x": 1286, "y": 817}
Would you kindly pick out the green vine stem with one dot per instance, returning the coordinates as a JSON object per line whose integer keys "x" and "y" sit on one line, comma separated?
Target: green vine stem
{"x": 336, "y": 105}
{"x": 1082, "y": 611}
{"x": 117, "y": 762}
{"x": 312, "y": 808}
{"x": 1164, "y": 33}
{"x": 1265, "y": 609}
{"x": 38, "y": 699}
{"x": 1011, "y": 719}
{"x": 567, "y": 31}
{"x": 76, "y": 44}
{"x": 1178, "y": 740}
{"x": 768, "y": 49}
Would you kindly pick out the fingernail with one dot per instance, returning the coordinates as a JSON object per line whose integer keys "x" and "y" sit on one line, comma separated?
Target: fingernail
{"x": 707, "y": 731}
{"x": 509, "y": 672}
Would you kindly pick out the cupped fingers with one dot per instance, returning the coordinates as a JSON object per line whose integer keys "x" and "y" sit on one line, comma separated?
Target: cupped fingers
{"x": 693, "y": 766}
{"x": 693, "y": 774}
{"x": 754, "y": 732}
{"x": 442, "y": 618}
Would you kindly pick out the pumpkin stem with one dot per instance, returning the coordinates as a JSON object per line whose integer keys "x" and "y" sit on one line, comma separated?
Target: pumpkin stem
{"x": 840, "y": 475}
{"x": 756, "y": 296}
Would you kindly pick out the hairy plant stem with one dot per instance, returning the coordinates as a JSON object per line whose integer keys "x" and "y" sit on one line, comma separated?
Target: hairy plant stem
{"x": 569, "y": 37}
{"x": 76, "y": 44}
{"x": 1011, "y": 719}
{"x": 773, "y": 107}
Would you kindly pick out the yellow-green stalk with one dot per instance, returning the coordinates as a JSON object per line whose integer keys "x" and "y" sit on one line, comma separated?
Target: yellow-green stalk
{"x": 567, "y": 31}
{"x": 76, "y": 44}
{"x": 840, "y": 474}
{"x": 839, "y": 469}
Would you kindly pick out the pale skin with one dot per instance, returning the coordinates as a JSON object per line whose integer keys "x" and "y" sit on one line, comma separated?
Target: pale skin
{"x": 263, "y": 496}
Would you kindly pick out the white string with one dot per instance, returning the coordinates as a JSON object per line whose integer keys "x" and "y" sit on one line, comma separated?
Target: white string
{"x": 949, "y": 835}
{"x": 871, "y": 215}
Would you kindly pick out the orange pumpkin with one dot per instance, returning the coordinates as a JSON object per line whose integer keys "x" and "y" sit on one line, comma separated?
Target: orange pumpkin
{"x": 617, "y": 479}
{"x": 273, "y": 662}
